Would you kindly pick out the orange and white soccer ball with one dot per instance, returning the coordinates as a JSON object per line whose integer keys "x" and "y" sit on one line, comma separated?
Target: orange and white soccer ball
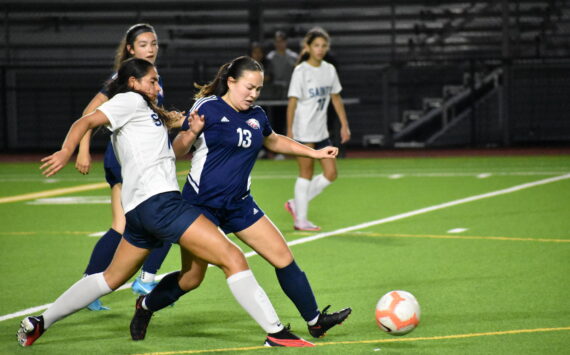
{"x": 398, "y": 312}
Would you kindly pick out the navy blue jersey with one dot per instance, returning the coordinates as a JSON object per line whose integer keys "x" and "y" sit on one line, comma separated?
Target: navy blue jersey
{"x": 225, "y": 151}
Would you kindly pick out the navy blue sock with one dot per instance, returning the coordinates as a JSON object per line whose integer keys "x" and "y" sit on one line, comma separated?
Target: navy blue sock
{"x": 103, "y": 252}
{"x": 296, "y": 286}
{"x": 165, "y": 293}
{"x": 155, "y": 258}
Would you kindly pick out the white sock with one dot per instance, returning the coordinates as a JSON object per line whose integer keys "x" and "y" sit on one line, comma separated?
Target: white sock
{"x": 302, "y": 198}
{"x": 318, "y": 184}
{"x": 77, "y": 297}
{"x": 254, "y": 300}
{"x": 147, "y": 276}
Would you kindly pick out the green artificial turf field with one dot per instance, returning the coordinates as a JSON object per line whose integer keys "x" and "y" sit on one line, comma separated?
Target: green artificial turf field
{"x": 482, "y": 242}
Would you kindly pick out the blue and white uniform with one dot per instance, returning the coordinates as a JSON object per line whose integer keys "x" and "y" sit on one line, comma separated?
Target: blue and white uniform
{"x": 226, "y": 150}
{"x": 110, "y": 163}
{"x": 154, "y": 209}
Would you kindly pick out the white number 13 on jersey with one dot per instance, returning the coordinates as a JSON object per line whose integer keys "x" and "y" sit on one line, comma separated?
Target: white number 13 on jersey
{"x": 244, "y": 138}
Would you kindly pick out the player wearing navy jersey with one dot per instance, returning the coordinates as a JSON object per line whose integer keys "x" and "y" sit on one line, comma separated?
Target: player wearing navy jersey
{"x": 313, "y": 86}
{"x": 234, "y": 131}
{"x": 140, "y": 41}
{"x": 155, "y": 213}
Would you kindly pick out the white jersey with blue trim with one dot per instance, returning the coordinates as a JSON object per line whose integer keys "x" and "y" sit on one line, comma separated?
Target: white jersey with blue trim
{"x": 312, "y": 86}
{"x": 142, "y": 146}
{"x": 226, "y": 151}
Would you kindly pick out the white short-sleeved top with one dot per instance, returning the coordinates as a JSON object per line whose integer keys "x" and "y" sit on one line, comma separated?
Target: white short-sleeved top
{"x": 312, "y": 86}
{"x": 141, "y": 144}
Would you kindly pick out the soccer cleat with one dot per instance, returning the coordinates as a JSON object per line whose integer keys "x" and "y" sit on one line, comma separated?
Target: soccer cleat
{"x": 97, "y": 306}
{"x": 287, "y": 339}
{"x": 140, "y": 320}
{"x": 307, "y": 226}
{"x": 327, "y": 321}
{"x": 290, "y": 207}
{"x": 31, "y": 328}
{"x": 143, "y": 288}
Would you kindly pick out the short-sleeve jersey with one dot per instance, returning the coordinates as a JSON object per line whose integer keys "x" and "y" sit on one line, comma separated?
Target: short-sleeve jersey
{"x": 312, "y": 86}
{"x": 141, "y": 144}
{"x": 226, "y": 151}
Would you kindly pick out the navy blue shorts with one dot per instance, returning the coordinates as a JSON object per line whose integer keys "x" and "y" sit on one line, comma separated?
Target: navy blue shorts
{"x": 318, "y": 145}
{"x": 241, "y": 215}
{"x": 112, "y": 166}
{"x": 163, "y": 218}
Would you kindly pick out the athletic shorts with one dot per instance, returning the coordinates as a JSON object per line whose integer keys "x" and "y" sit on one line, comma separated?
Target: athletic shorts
{"x": 241, "y": 215}
{"x": 318, "y": 145}
{"x": 112, "y": 166}
{"x": 163, "y": 218}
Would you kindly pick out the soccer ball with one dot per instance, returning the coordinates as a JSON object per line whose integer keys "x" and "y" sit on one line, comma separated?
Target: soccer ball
{"x": 398, "y": 312}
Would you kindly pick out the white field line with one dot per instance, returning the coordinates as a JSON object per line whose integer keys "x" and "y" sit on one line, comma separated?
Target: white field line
{"x": 358, "y": 226}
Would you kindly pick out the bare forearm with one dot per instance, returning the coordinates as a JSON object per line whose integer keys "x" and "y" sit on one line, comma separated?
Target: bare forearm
{"x": 340, "y": 111}
{"x": 182, "y": 143}
{"x": 285, "y": 145}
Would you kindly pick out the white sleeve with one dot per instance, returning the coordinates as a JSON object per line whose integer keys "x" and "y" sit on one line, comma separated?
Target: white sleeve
{"x": 120, "y": 109}
{"x": 296, "y": 84}
{"x": 336, "y": 87}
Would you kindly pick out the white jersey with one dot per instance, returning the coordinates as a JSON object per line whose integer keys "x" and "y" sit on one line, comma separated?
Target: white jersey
{"x": 141, "y": 144}
{"x": 312, "y": 86}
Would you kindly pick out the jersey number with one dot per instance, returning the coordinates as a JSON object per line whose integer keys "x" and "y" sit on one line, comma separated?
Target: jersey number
{"x": 321, "y": 103}
{"x": 244, "y": 138}
{"x": 156, "y": 120}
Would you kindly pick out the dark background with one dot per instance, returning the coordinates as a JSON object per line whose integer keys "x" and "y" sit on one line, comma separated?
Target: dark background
{"x": 426, "y": 73}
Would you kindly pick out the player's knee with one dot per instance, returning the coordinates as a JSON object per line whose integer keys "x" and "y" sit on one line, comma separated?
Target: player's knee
{"x": 234, "y": 261}
{"x": 189, "y": 284}
{"x": 330, "y": 175}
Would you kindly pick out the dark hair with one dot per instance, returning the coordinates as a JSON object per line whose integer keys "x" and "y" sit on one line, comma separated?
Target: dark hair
{"x": 233, "y": 69}
{"x": 137, "y": 68}
{"x": 313, "y": 34}
{"x": 129, "y": 40}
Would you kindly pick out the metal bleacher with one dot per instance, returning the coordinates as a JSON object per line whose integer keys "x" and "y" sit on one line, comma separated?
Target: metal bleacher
{"x": 398, "y": 58}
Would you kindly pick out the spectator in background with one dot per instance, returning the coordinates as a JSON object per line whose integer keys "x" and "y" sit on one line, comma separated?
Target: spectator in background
{"x": 280, "y": 64}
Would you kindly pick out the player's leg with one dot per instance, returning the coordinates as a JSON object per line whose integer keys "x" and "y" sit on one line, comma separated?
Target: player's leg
{"x": 146, "y": 281}
{"x": 205, "y": 241}
{"x": 268, "y": 242}
{"x": 127, "y": 260}
{"x": 300, "y": 207}
{"x": 169, "y": 290}
{"x": 321, "y": 181}
{"x": 104, "y": 250}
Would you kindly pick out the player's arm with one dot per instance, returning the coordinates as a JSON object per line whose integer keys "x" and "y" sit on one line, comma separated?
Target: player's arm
{"x": 291, "y": 107}
{"x": 341, "y": 113}
{"x": 56, "y": 161}
{"x": 184, "y": 139}
{"x": 83, "y": 160}
{"x": 285, "y": 145}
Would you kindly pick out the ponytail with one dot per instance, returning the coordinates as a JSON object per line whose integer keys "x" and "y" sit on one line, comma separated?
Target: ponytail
{"x": 233, "y": 69}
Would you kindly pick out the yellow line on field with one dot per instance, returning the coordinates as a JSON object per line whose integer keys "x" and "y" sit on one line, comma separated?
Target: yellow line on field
{"x": 435, "y": 236}
{"x": 62, "y": 191}
{"x": 47, "y": 232}
{"x": 374, "y": 341}
{"x": 54, "y": 192}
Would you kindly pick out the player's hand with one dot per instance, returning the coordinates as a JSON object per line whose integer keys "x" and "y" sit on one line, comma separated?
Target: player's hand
{"x": 176, "y": 118}
{"x": 196, "y": 122}
{"x": 326, "y": 153}
{"x": 55, "y": 162}
{"x": 83, "y": 162}
{"x": 344, "y": 134}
